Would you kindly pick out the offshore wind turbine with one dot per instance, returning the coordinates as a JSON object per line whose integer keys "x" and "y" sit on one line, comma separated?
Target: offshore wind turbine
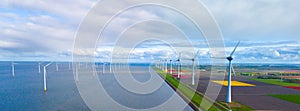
{"x": 76, "y": 71}
{"x": 110, "y": 67}
{"x": 56, "y": 66}
{"x": 229, "y": 58}
{"x": 45, "y": 77}
{"x": 193, "y": 67}
{"x": 13, "y": 69}
{"x": 39, "y": 66}
{"x": 94, "y": 70}
{"x": 103, "y": 68}
{"x": 69, "y": 65}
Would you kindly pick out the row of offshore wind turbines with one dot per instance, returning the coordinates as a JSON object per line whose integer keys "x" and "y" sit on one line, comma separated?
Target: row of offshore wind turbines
{"x": 167, "y": 66}
{"x": 77, "y": 66}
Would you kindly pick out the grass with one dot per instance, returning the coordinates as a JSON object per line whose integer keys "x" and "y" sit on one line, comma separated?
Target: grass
{"x": 197, "y": 98}
{"x": 294, "y": 98}
{"x": 275, "y": 82}
{"x": 236, "y": 106}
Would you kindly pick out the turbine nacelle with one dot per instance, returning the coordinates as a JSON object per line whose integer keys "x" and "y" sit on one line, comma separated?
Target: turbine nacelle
{"x": 230, "y": 58}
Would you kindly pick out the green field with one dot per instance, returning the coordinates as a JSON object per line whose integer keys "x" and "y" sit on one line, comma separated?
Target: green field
{"x": 288, "y": 97}
{"x": 275, "y": 82}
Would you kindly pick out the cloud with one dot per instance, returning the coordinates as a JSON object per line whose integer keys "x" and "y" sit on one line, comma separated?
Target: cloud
{"x": 281, "y": 53}
{"x": 6, "y": 44}
{"x": 31, "y": 27}
{"x": 46, "y": 29}
{"x": 257, "y": 19}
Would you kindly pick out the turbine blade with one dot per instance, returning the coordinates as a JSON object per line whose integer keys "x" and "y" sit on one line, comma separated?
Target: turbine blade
{"x": 48, "y": 64}
{"x": 234, "y": 49}
{"x": 196, "y": 54}
{"x": 233, "y": 70}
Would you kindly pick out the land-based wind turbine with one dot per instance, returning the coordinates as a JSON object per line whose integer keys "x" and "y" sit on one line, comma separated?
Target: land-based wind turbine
{"x": 178, "y": 66}
{"x": 193, "y": 67}
{"x": 171, "y": 69}
{"x": 166, "y": 65}
{"x": 162, "y": 65}
{"x": 229, "y": 58}
{"x": 77, "y": 65}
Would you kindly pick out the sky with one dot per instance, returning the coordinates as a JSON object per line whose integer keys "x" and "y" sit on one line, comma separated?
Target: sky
{"x": 45, "y": 30}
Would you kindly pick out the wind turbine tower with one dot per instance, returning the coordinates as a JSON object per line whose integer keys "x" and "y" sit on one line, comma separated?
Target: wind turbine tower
{"x": 193, "y": 68}
{"x": 13, "y": 69}
{"x": 171, "y": 69}
{"x": 39, "y": 68}
{"x": 45, "y": 77}
{"x": 179, "y": 66}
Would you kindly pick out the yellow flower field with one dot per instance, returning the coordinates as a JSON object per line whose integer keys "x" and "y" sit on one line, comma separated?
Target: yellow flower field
{"x": 233, "y": 83}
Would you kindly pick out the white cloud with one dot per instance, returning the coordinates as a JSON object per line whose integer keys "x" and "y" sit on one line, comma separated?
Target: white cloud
{"x": 47, "y": 28}
{"x": 7, "y": 44}
{"x": 257, "y": 19}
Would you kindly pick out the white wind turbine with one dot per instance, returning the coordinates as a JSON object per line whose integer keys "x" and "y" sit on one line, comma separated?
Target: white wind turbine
{"x": 103, "y": 67}
{"x": 166, "y": 65}
{"x": 171, "y": 69}
{"x": 77, "y": 65}
{"x": 162, "y": 64}
{"x": 193, "y": 67}
{"x": 69, "y": 65}
{"x": 39, "y": 66}
{"x": 94, "y": 69}
{"x": 56, "y": 66}
{"x": 179, "y": 66}
{"x": 13, "y": 69}
{"x": 45, "y": 77}
{"x": 229, "y": 58}
{"x": 110, "y": 70}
